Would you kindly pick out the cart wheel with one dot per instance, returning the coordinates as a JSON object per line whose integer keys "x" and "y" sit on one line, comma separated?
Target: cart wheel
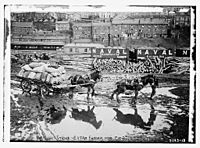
{"x": 44, "y": 89}
{"x": 26, "y": 86}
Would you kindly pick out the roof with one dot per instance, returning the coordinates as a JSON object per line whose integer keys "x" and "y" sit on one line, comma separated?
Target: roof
{"x": 49, "y": 37}
{"x": 84, "y": 45}
{"x": 39, "y": 37}
{"x": 115, "y": 47}
{"x": 101, "y": 24}
{"x": 83, "y": 24}
{"x": 62, "y": 22}
{"x": 145, "y": 21}
{"x": 22, "y": 24}
{"x": 37, "y": 43}
{"x": 148, "y": 48}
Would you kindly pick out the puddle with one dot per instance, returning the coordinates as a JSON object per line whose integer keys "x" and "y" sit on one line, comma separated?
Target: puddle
{"x": 90, "y": 123}
{"x": 58, "y": 118}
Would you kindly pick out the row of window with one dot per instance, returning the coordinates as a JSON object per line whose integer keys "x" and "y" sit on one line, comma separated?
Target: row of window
{"x": 77, "y": 50}
{"x": 35, "y": 47}
{"x": 183, "y": 19}
{"x": 38, "y": 40}
{"x": 62, "y": 28}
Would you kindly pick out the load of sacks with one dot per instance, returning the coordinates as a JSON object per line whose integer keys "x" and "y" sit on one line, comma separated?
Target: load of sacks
{"x": 44, "y": 72}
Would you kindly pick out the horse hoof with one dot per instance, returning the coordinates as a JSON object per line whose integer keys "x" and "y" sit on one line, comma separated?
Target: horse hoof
{"x": 133, "y": 102}
{"x": 70, "y": 97}
{"x": 133, "y": 105}
{"x": 118, "y": 101}
{"x": 92, "y": 97}
{"x": 150, "y": 98}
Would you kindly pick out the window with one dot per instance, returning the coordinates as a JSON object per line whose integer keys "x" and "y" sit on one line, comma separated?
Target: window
{"x": 70, "y": 49}
{"x": 85, "y": 49}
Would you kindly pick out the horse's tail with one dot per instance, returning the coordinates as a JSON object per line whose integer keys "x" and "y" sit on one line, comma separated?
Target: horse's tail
{"x": 117, "y": 83}
{"x": 119, "y": 113}
{"x": 70, "y": 78}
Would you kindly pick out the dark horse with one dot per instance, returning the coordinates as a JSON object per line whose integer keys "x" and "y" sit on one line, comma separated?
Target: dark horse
{"x": 88, "y": 81}
{"x": 86, "y": 116}
{"x": 135, "y": 119}
{"x": 136, "y": 85}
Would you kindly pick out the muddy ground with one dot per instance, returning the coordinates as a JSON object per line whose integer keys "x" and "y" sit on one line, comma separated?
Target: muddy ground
{"x": 58, "y": 118}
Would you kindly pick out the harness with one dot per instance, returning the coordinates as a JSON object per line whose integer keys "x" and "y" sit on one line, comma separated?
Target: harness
{"x": 87, "y": 76}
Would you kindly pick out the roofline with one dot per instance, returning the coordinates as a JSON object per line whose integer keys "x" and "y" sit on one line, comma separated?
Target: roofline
{"x": 140, "y": 23}
{"x": 37, "y": 43}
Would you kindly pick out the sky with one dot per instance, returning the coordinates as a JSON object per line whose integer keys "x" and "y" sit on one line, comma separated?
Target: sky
{"x": 85, "y": 8}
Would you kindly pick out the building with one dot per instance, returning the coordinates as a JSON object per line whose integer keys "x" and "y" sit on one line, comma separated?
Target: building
{"x": 82, "y": 32}
{"x": 140, "y": 27}
{"x": 22, "y": 28}
{"x": 62, "y": 25}
{"x": 113, "y": 33}
{"x": 182, "y": 19}
{"x": 39, "y": 41}
{"x": 100, "y": 31}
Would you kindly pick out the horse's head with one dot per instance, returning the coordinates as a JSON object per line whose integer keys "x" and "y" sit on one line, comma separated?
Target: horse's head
{"x": 96, "y": 74}
{"x": 149, "y": 79}
{"x": 144, "y": 80}
{"x": 96, "y": 124}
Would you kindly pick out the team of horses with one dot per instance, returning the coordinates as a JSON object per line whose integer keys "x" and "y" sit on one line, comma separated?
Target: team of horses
{"x": 134, "y": 85}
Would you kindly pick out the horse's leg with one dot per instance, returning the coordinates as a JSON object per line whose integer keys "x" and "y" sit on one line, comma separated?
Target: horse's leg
{"x": 153, "y": 91}
{"x": 92, "y": 109}
{"x": 114, "y": 92}
{"x": 93, "y": 91}
{"x": 117, "y": 96}
{"x": 133, "y": 101}
{"x": 88, "y": 93}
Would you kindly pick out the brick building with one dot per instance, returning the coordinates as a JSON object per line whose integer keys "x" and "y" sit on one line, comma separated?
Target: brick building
{"x": 22, "y": 28}
{"x": 120, "y": 29}
{"x": 82, "y": 31}
{"x": 62, "y": 25}
{"x": 140, "y": 27}
{"x": 41, "y": 40}
{"x": 182, "y": 19}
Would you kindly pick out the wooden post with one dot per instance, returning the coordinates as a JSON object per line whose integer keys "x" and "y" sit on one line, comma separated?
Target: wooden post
{"x": 164, "y": 62}
{"x": 92, "y": 52}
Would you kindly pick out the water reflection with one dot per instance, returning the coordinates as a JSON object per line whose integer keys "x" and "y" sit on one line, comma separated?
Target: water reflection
{"x": 86, "y": 116}
{"x": 55, "y": 115}
{"x": 135, "y": 119}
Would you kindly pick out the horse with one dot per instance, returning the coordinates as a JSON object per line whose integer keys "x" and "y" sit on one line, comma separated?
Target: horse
{"x": 88, "y": 81}
{"x": 136, "y": 85}
{"x": 135, "y": 119}
{"x": 87, "y": 116}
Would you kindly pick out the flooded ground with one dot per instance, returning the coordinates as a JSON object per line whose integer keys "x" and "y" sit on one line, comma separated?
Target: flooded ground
{"x": 57, "y": 118}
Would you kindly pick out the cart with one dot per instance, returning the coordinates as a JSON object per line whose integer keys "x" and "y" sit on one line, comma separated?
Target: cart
{"x": 44, "y": 89}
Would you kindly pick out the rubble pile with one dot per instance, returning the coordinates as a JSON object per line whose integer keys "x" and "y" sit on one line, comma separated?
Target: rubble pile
{"x": 51, "y": 74}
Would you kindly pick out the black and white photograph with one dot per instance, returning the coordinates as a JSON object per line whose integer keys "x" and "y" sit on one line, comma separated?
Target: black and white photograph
{"x": 95, "y": 74}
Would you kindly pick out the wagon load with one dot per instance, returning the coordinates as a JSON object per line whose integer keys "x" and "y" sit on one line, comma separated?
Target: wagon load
{"x": 43, "y": 72}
